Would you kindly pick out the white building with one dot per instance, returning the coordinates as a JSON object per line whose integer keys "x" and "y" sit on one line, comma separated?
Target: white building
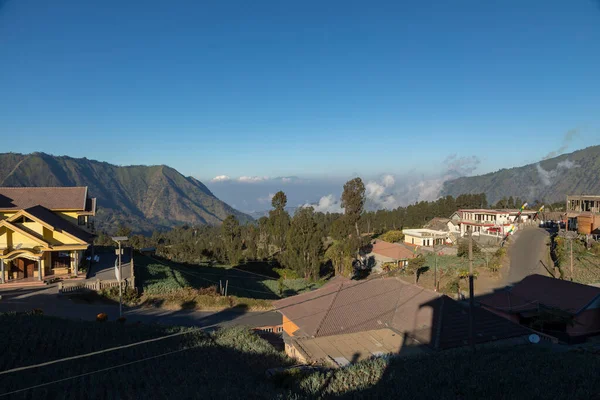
{"x": 491, "y": 222}
{"x": 425, "y": 237}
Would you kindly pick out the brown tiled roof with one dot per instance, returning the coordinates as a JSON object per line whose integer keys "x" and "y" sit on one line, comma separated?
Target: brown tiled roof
{"x": 542, "y": 290}
{"x": 392, "y": 250}
{"x": 53, "y": 198}
{"x": 60, "y": 224}
{"x": 355, "y": 306}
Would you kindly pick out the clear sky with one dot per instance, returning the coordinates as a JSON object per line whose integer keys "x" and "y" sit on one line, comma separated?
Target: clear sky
{"x": 306, "y": 88}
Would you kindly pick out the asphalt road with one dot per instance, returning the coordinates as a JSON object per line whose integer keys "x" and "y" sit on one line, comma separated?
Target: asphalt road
{"x": 528, "y": 248}
{"x": 46, "y": 299}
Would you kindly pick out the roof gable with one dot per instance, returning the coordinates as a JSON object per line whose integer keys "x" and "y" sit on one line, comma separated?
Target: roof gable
{"x": 36, "y": 238}
{"x": 46, "y": 217}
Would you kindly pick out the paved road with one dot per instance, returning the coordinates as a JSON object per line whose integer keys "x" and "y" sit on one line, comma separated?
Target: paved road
{"x": 21, "y": 300}
{"x": 528, "y": 248}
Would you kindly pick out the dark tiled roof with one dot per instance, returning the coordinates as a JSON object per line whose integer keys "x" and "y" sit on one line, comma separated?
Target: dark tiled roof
{"x": 542, "y": 290}
{"x": 59, "y": 223}
{"x": 355, "y": 306}
{"x": 53, "y": 198}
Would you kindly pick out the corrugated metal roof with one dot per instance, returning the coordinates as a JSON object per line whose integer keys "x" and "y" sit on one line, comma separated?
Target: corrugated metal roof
{"x": 53, "y": 198}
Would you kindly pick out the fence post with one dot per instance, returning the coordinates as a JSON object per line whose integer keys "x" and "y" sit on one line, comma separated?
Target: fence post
{"x": 60, "y": 287}
{"x": 98, "y": 287}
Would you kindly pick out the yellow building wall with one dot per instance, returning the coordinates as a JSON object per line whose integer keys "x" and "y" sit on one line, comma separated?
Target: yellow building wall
{"x": 14, "y": 238}
{"x": 70, "y": 216}
{"x": 413, "y": 240}
{"x": 31, "y": 226}
{"x": 5, "y": 215}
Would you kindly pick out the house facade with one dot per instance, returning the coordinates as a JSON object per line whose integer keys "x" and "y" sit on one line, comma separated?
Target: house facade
{"x": 491, "y": 222}
{"x": 44, "y": 231}
{"x": 425, "y": 237}
{"x": 583, "y": 214}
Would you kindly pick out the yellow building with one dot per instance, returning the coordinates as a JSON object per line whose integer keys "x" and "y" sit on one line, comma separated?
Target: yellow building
{"x": 44, "y": 231}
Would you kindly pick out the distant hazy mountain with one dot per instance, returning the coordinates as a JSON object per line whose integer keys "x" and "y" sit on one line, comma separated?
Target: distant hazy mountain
{"x": 142, "y": 197}
{"x": 549, "y": 181}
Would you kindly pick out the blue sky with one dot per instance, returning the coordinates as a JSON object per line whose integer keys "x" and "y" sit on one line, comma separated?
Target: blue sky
{"x": 312, "y": 88}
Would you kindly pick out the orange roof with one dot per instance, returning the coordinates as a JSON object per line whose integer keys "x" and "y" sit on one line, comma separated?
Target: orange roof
{"x": 392, "y": 250}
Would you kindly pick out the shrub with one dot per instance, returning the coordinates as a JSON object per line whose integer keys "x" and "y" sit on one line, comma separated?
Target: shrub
{"x": 392, "y": 236}
{"x": 286, "y": 273}
{"x": 596, "y": 248}
{"x": 463, "y": 248}
{"x": 130, "y": 295}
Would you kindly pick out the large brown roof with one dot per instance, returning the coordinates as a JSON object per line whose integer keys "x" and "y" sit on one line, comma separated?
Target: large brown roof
{"x": 52, "y": 198}
{"x": 392, "y": 250}
{"x": 356, "y": 306}
{"x": 537, "y": 290}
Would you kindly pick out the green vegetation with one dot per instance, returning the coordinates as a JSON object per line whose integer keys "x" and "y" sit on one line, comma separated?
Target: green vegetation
{"x": 226, "y": 364}
{"x": 509, "y": 373}
{"x": 586, "y": 263}
{"x": 231, "y": 363}
{"x": 173, "y": 285}
{"x": 392, "y": 236}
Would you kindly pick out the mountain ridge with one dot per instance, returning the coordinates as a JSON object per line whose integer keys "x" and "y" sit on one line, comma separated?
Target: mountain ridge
{"x": 549, "y": 180}
{"x": 143, "y": 197}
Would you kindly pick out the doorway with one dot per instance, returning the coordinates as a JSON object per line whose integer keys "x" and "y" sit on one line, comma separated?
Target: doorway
{"x": 24, "y": 267}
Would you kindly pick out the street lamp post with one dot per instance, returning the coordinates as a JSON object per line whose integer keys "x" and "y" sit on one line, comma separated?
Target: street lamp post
{"x": 120, "y": 239}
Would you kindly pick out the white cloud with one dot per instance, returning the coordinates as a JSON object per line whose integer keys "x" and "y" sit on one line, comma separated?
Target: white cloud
{"x": 547, "y": 176}
{"x": 327, "y": 204}
{"x": 566, "y": 164}
{"x": 252, "y": 179}
{"x": 220, "y": 178}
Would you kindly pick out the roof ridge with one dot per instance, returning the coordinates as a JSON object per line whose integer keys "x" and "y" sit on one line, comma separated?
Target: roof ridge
{"x": 43, "y": 187}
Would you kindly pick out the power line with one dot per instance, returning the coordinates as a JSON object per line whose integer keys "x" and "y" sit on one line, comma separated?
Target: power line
{"x": 96, "y": 371}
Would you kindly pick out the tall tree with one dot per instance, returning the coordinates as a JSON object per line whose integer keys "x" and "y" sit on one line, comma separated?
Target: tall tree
{"x": 279, "y": 222}
{"x": 304, "y": 249}
{"x": 232, "y": 239}
{"x": 353, "y": 201}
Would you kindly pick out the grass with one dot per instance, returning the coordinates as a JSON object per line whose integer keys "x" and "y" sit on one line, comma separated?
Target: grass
{"x": 175, "y": 285}
{"x": 231, "y": 363}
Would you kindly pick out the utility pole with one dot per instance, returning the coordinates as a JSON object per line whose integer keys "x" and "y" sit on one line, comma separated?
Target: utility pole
{"x": 571, "y": 242}
{"x": 471, "y": 291}
{"x": 120, "y": 239}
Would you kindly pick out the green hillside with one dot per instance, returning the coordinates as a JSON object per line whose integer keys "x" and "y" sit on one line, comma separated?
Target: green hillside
{"x": 143, "y": 197}
{"x": 548, "y": 181}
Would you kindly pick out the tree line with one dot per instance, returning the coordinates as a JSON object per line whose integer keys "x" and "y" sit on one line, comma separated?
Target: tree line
{"x": 306, "y": 243}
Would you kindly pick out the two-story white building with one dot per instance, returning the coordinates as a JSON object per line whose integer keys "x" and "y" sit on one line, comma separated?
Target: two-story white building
{"x": 491, "y": 222}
